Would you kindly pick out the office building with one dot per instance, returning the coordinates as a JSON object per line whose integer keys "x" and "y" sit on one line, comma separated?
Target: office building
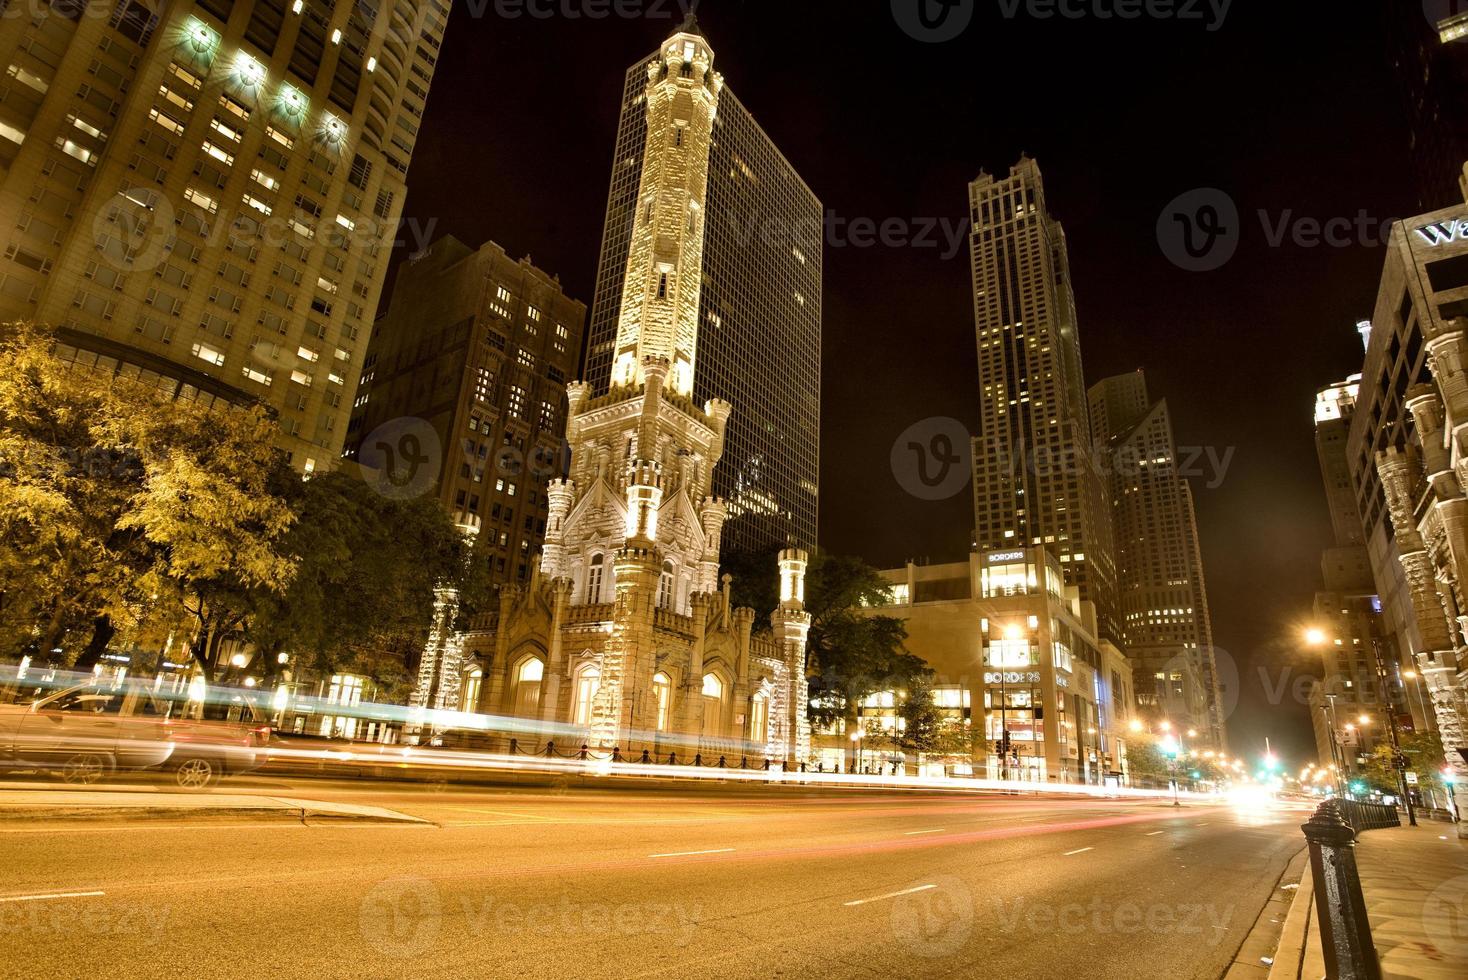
{"x": 1430, "y": 61}
{"x": 1167, "y": 631}
{"x": 1015, "y": 654}
{"x": 759, "y": 316}
{"x": 469, "y": 364}
{"x": 1036, "y": 480}
{"x": 205, "y": 197}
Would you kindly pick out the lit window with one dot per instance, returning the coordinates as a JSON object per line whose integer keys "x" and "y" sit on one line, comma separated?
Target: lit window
{"x": 588, "y": 682}
{"x": 206, "y": 353}
{"x": 662, "y": 689}
{"x": 202, "y": 200}
{"x": 225, "y": 158}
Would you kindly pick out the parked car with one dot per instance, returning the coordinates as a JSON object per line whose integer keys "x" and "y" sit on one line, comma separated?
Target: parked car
{"x": 90, "y": 730}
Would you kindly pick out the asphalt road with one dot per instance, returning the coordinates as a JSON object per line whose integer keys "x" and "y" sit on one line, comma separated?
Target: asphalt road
{"x": 579, "y": 883}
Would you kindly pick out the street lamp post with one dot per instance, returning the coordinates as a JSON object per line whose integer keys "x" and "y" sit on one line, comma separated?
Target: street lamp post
{"x": 1337, "y": 757}
{"x": 856, "y": 743}
{"x": 1399, "y": 761}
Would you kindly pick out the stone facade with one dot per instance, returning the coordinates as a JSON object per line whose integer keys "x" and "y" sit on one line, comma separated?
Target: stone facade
{"x": 1424, "y": 483}
{"x": 623, "y": 638}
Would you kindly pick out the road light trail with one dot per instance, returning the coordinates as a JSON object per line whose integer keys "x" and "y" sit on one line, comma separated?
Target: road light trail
{"x": 50, "y": 897}
{"x": 883, "y": 898}
{"x": 1078, "y": 851}
{"x": 679, "y": 854}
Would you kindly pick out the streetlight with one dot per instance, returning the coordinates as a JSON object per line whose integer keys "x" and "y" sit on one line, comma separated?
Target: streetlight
{"x": 1337, "y": 757}
{"x": 856, "y": 744}
{"x": 1399, "y": 761}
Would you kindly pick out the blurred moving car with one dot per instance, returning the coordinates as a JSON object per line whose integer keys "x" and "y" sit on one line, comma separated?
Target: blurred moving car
{"x": 89, "y": 730}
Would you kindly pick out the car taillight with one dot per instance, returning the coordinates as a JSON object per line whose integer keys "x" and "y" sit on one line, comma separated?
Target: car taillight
{"x": 262, "y": 735}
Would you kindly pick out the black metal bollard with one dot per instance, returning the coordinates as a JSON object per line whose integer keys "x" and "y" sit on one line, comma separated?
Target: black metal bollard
{"x": 722, "y": 763}
{"x": 1340, "y": 906}
{"x": 646, "y": 757}
{"x": 550, "y": 750}
{"x": 584, "y": 750}
{"x": 698, "y": 759}
{"x": 767, "y": 765}
{"x": 514, "y": 746}
{"x": 616, "y": 753}
{"x": 672, "y": 758}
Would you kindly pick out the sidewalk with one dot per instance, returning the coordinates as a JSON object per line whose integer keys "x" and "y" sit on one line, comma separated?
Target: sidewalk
{"x": 1415, "y": 880}
{"x": 22, "y": 804}
{"x": 1416, "y": 886}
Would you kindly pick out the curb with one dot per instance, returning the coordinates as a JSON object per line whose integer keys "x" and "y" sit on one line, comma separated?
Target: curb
{"x": 1294, "y": 941}
{"x": 277, "y": 811}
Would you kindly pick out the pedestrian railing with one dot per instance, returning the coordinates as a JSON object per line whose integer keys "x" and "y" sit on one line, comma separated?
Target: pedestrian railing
{"x": 1369, "y": 816}
{"x": 1340, "y": 904}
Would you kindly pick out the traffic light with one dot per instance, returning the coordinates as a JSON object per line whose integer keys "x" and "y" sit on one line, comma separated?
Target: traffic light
{"x": 1358, "y": 788}
{"x": 1271, "y": 762}
{"x": 1450, "y": 778}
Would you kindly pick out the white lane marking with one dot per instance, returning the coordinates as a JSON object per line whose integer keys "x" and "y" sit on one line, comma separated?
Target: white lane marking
{"x": 1155, "y": 833}
{"x": 914, "y": 833}
{"x": 1081, "y": 851}
{"x": 43, "y": 898}
{"x": 883, "y": 898}
{"x": 679, "y": 854}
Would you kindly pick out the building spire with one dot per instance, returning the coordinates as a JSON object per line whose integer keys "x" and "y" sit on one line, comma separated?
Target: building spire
{"x": 664, "y": 278}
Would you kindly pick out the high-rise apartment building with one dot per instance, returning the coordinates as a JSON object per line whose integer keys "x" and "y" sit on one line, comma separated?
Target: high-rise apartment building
{"x": 1430, "y": 59}
{"x": 1346, "y": 621}
{"x": 1036, "y": 481}
{"x": 759, "y": 316}
{"x": 1167, "y": 631}
{"x": 467, "y": 370}
{"x": 204, "y": 194}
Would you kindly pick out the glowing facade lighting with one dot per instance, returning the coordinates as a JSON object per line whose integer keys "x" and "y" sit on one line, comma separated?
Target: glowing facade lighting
{"x": 331, "y": 133}
{"x": 290, "y": 103}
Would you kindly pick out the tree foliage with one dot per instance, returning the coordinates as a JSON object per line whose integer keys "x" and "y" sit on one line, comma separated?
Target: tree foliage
{"x": 367, "y": 567}
{"x": 853, "y": 653}
{"x": 121, "y": 509}
{"x": 922, "y": 723}
{"x": 1424, "y": 753}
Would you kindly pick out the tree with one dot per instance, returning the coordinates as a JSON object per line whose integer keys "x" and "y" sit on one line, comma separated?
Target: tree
{"x": 367, "y": 567}
{"x": 756, "y": 582}
{"x": 1146, "y": 761}
{"x": 214, "y": 509}
{"x": 1424, "y": 754}
{"x": 853, "y": 653}
{"x": 920, "y": 721}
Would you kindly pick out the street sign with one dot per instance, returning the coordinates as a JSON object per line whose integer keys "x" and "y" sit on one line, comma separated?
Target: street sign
{"x": 1411, "y": 778}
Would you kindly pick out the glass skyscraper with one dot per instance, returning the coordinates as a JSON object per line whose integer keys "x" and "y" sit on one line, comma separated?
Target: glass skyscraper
{"x": 759, "y": 326}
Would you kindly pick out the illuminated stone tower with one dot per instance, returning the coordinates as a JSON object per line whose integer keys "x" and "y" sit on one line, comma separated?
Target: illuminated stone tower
{"x": 636, "y": 527}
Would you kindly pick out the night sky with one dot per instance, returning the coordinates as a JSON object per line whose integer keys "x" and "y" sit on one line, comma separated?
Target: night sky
{"x": 1289, "y": 108}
